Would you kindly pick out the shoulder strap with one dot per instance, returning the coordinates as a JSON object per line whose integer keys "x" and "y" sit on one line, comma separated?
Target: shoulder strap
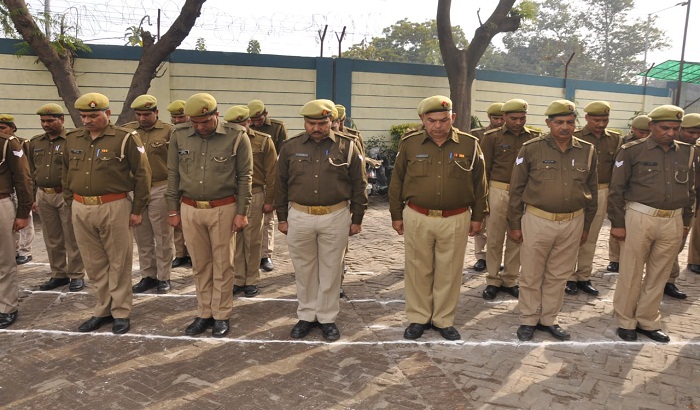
{"x": 126, "y": 138}
{"x": 692, "y": 157}
{"x": 4, "y": 150}
{"x": 590, "y": 156}
{"x": 351, "y": 149}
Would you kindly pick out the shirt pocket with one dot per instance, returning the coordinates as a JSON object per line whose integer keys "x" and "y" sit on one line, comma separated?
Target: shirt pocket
{"x": 418, "y": 167}
{"x": 76, "y": 159}
{"x": 299, "y": 165}
{"x": 185, "y": 160}
{"x": 223, "y": 161}
{"x": 458, "y": 168}
{"x": 681, "y": 173}
{"x": 649, "y": 173}
{"x": 158, "y": 147}
{"x": 41, "y": 158}
{"x": 105, "y": 159}
{"x": 547, "y": 171}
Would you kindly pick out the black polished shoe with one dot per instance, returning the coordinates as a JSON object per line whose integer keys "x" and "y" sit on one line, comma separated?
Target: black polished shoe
{"x": 199, "y": 326}
{"x": 94, "y": 323}
{"x": 694, "y": 268}
{"x": 672, "y": 290}
{"x": 586, "y": 287}
{"x": 342, "y": 293}
{"x": 514, "y": 291}
{"x": 121, "y": 326}
{"x": 6, "y": 319}
{"x": 330, "y": 332}
{"x": 556, "y": 331}
{"x": 21, "y": 260}
{"x": 54, "y": 283}
{"x": 628, "y": 335}
{"x": 185, "y": 260}
{"x": 449, "y": 332}
{"x": 145, "y": 284}
{"x": 237, "y": 289}
{"x": 655, "y": 335}
{"x": 480, "y": 265}
{"x": 266, "y": 264}
{"x": 250, "y": 290}
{"x": 571, "y": 287}
{"x": 525, "y": 333}
{"x": 490, "y": 292}
{"x": 302, "y": 329}
{"x": 415, "y": 330}
{"x": 220, "y": 328}
{"x": 614, "y": 267}
{"x": 163, "y": 286}
{"x": 76, "y": 285}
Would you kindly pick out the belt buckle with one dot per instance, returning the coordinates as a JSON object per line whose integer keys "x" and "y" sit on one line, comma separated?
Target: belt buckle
{"x": 92, "y": 200}
{"x": 435, "y": 213}
{"x": 318, "y": 210}
{"x": 662, "y": 213}
{"x": 49, "y": 190}
{"x": 203, "y": 204}
{"x": 562, "y": 217}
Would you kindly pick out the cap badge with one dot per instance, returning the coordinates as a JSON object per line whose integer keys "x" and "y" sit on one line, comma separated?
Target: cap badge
{"x": 92, "y": 104}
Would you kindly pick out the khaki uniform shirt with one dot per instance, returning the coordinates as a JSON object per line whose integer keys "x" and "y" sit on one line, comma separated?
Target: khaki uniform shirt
{"x": 15, "y": 175}
{"x": 275, "y": 129}
{"x": 647, "y": 174}
{"x": 444, "y": 177}
{"x": 606, "y": 147}
{"x": 46, "y": 159}
{"x": 155, "y": 141}
{"x": 264, "y": 163}
{"x": 210, "y": 167}
{"x": 628, "y": 138}
{"x": 318, "y": 174}
{"x": 500, "y": 147}
{"x": 554, "y": 181}
{"x": 106, "y": 165}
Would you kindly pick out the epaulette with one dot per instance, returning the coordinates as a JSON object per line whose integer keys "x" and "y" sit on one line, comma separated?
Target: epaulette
{"x": 234, "y": 126}
{"x": 260, "y": 134}
{"x": 36, "y": 136}
{"x": 466, "y": 134}
{"x": 410, "y": 134}
{"x": 183, "y": 126}
{"x": 131, "y": 125}
{"x": 296, "y": 136}
{"x": 533, "y": 130}
{"x": 491, "y": 131}
{"x": 75, "y": 131}
{"x": 538, "y": 138}
{"x": 617, "y": 133}
{"x": 633, "y": 143}
{"x": 478, "y": 129}
{"x": 582, "y": 142}
{"x": 684, "y": 143}
{"x": 346, "y": 136}
{"x": 272, "y": 120}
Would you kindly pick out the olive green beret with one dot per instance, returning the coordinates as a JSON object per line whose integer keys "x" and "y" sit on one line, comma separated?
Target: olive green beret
{"x": 560, "y": 107}
{"x": 691, "y": 121}
{"x": 7, "y": 118}
{"x": 597, "y": 108}
{"x": 435, "y": 103}
{"x": 200, "y": 104}
{"x": 666, "y": 113}
{"x": 495, "y": 109}
{"x": 515, "y": 105}
{"x": 317, "y": 109}
{"x": 256, "y": 108}
{"x": 341, "y": 111}
{"x": 237, "y": 113}
{"x": 641, "y": 122}
{"x": 92, "y": 102}
{"x": 50, "y": 109}
{"x": 145, "y": 102}
{"x": 176, "y": 107}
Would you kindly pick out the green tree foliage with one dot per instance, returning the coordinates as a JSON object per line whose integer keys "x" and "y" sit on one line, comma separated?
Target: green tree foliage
{"x": 201, "y": 44}
{"x": 133, "y": 36}
{"x": 253, "y": 47}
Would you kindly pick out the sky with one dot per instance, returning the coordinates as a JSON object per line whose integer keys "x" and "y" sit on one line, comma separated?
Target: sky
{"x": 292, "y": 27}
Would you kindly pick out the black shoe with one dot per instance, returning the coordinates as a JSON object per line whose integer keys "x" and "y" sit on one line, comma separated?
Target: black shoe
{"x": 177, "y": 262}
{"x": 163, "y": 286}
{"x": 21, "y": 260}
{"x": 449, "y": 333}
{"x": 586, "y": 287}
{"x": 266, "y": 264}
{"x": 415, "y": 330}
{"x": 54, "y": 283}
{"x": 571, "y": 287}
{"x": 655, "y": 335}
{"x": 330, "y": 332}
{"x": 672, "y": 290}
{"x": 556, "y": 331}
{"x": 121, "y": 326}
{"x": 514, "y": 291}
{"x": 480, "y": 265}
{"x": 6, "y": 319}
{"x": 628, "y": 335}
{"x": 94, "y": 323}
{"x": 614, "y": 267}
{"x": 237, "y": 289}
{"x": 490, "y": 292}
{"x": 302, "y": 329}
{"x": 694, "y": 268}
{"x": 342, "y": 293}
{"x": 199, "y": 326}
{"x": 76, "y": 285}
{"x": 220, "y": 328}
{"x": 250, "y": 290}
{"x": 525, "y": 333}
{"x": 145, "y": 284}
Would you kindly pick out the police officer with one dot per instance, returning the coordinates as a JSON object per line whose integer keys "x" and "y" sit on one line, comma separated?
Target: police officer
{"x": 246, "y": 247}
{"x": 46, "y": 153}
{"x": 182, "y": 257}
{"x": 14, "y": 178}
{"x": 650, "y": 208}
{"x": 342, "y": 117}
{"x": 320, "y": 197}
{"x": 210, "y": 165}
{"x": 552, "y": 203}
{"x": 437, "y": 198}
{"x": 102, "y": 164}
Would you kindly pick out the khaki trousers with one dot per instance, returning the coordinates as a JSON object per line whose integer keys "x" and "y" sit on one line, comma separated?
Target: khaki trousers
{"x": 676, "y": 268}
{"x": 246, "y": 246}
{"x": 694, "y": 244}
{"x": 208, "y": 235}
{"x": 104, "y": 236}
{"x": 586, "y": 252}
{"x": 316, "y": 246}
{"x": 434, "y": 258}
{"x": 179, "y": 241}
{"x": 59, "y": 237}
{"x": 480, "y": 241}
{"x": 548, "y": 253}
{"x": 650, "y": 243}
{"x": 9, "y": 288}
{"x": 497, "y": 226}
{"x": 268, "y": 235}
{"x": 24, "y": 239}
{"x": 613, "y": 249}
{"x": 154, "y": 237}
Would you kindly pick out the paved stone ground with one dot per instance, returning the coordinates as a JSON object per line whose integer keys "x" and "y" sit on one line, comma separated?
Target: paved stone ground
{"x": 46, "y": 363}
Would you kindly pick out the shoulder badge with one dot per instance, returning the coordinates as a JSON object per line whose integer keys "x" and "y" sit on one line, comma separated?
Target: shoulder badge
{"x": 492, "y": 131}
{"x": 633, "y": 143}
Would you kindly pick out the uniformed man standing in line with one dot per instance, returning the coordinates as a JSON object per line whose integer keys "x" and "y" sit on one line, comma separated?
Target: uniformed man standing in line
{"x": 606, "y": 143}
{"x": 261, "y": 121}
{"x": 102, "y": 164}
{"x": 437, "y": 198}
{"x": 46, "y": 153}
{"x": 14, "y": 178}
{"x": 182, "y": 257}
{"x": 210, "y": 166}
{"x": 500, "y": 147}
{"x": 246, "y": 246}
{"x": 320, "y": 198}
{"x": 154, "y": 236}
{"x": 553, "y": 200}
{"x": 650, "y": 208}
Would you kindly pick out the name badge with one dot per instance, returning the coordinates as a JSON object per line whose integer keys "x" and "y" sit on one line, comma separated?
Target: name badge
{"x": 301, "y": 154}
{"x": 183, "y": 152}
{"x": 422, "y": 155}
{"x": 650, "y": 164}
{"x": 76, "y": 151}
{"x": 549, "y": 161}
{"x": 38, "y": 150}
